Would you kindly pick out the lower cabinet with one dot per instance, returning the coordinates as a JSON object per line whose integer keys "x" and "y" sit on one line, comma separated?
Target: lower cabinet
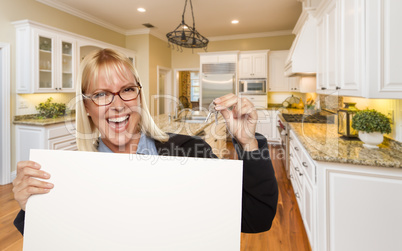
{"x": 266, "y": 124}
{"x": 53, "y": 137}
{"x": 346, "y": 207}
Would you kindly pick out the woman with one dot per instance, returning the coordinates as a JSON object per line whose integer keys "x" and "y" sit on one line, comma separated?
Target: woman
{"x": 111, "y": 104}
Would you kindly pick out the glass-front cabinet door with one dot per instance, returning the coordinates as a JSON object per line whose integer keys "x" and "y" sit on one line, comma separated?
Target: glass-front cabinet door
{"x": 46, "y": 63}
{"x": 67, "y": 66}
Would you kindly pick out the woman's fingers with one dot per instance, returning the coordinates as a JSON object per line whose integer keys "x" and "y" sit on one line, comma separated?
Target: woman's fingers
{"x": 27, "y": 184}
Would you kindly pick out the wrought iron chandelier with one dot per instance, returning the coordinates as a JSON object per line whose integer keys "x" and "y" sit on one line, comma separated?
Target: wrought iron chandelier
{"x": 185, "y": 35}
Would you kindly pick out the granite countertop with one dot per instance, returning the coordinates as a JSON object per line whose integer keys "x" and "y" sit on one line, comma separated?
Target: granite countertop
{"x": 180, "y": 127}
{"x": 31, "y": 119}
{"x": 323, "y": 143}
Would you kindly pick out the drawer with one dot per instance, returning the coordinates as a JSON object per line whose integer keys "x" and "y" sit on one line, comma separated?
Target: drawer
{"x": 297, "y": 187}
{"x": 63, "y": 143}
{"x": 295, "y": 145}
{"x": 57, "y": 131}
{"x": 259, "y": 101}
{"x": 309, "y": 167}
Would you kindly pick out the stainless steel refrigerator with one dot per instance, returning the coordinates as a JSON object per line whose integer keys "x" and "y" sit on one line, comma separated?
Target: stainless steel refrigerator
{"x": 217, "y": 80}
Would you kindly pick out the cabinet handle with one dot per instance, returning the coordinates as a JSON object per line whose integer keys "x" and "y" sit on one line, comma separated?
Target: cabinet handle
{"x": 338, "y": 88}
{"x": 73, "y": 143}
{"x": 323, "y": 88}
{"x": 297, "y": 195}
{"x": 291, "y": 155}
{"x": 290, "y": 138}
{"x": 291, "y": 176}
{"x": 296, "y": 148}
{"x": 304, "y": 164}
{"x": 297, "y": 169}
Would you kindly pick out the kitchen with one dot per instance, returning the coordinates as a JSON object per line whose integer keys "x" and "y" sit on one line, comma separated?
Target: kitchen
{"x": 151, "y": 51}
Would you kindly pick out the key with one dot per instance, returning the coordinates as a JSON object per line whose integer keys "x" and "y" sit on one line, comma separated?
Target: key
{"x": 212, "y": 111}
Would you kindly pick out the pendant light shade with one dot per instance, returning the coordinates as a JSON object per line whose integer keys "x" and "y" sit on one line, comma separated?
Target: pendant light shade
{"x": 186, "y": 36}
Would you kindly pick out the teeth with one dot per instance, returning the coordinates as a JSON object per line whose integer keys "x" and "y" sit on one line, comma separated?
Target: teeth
{"x": 117, "y": 120}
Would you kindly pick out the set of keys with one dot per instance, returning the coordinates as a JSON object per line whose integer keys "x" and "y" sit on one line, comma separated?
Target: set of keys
{"x": 212, "y": 111}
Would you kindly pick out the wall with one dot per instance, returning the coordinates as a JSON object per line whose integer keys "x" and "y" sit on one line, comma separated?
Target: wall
{"x": 384, "y": 106}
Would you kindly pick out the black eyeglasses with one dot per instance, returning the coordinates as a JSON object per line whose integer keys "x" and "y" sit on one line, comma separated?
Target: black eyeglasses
{"x": 103, "y": 98}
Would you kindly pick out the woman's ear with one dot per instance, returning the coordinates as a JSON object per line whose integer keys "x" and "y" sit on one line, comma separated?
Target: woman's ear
{"x": 86, "y": 108}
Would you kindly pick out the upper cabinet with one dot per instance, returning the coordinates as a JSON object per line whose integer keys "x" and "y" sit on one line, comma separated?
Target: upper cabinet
{"x": 358, "y": 43}
{"x": 218, "y": 57}
{"x": 47, "y": 59}
{"x": 278, "y": 82}
{"x": 253, "y": 64}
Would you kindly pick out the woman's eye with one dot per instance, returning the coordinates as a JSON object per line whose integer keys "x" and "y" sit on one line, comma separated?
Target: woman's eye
{"x": 99, "y": 95}
{"x": 129, "y": 89}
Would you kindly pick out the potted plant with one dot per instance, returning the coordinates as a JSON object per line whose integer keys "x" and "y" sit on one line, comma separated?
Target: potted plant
{"x": 50, "y": 110}
{"x": 372, "y": 125}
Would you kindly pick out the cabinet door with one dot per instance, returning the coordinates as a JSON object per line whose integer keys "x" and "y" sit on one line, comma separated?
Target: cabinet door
{"x": 331, "y": 47}
{"x": 67, "y": 64}
{"x": 27, "y": 138}
{"x": 351, "y": 52}
{"x": 45, "y": 61}
{"x": 309, "y": 214}
{"x": 294, "y": 83}
{"x": 277, "y": 80}
{"x": 245, "y": 66}
{"x": 321, "y": 54}
{"x": 209, "y": 59}
{"x": 384, "y": 51}
{"x": 259, "y": 66}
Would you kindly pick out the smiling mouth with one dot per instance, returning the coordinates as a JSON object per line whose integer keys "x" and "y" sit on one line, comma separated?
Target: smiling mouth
{"x": 118, "y": 122}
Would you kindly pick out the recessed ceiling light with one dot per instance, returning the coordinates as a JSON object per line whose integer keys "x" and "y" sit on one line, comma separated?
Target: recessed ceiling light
{"x": 141, "y": 9}
{"x": 235, "y": 21}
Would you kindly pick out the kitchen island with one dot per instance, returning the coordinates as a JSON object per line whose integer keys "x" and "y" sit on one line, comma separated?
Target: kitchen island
{"x": 348, "y": 195}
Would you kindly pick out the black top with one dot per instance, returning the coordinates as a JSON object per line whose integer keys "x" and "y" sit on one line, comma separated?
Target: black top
{"x": 260, "y": 189}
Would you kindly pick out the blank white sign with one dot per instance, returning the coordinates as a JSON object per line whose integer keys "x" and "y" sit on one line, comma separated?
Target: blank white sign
{"x": 104, "y": 201}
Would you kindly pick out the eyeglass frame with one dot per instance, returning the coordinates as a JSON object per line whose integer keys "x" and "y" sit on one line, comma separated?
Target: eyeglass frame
{"x": 139, "y": 86}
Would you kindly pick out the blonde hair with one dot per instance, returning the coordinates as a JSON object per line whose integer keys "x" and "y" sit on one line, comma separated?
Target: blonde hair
{"x": 107, "y": 60}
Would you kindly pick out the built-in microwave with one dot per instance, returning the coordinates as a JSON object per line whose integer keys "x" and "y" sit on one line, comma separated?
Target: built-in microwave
{"x": 253, "y": 86}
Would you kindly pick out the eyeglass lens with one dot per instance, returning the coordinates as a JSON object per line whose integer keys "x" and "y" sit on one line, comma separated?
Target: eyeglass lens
{"x": 126, "y": 94}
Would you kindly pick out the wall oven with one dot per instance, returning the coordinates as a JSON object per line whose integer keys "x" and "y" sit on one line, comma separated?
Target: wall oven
{"x": 253, "y": 86}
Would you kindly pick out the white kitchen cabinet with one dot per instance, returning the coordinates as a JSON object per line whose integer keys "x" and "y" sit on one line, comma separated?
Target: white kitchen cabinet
{"x": 53, "y": 137}
{"x": 253, "y": 64}
{"x": 344, "y": 206}
{"x": 259, "y": 101}
{"x": 303, "y": 178}
{"x": 218, "y": 57}
{"x": 46, "y": 60}
{"x": 278, "y": 82}
{"x": 359, "y": 48}
{"x": 359, "y": 207}
{"x": 266, "y": 125}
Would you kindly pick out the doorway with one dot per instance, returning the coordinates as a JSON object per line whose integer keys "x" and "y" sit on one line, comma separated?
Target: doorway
{"x": 5, "y": 171}
{"x": 165, "y": 101}
{"x": 188, "y": 87}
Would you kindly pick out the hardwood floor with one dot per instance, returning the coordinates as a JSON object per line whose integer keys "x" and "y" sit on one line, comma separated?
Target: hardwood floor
{"x": 287, "y": 232}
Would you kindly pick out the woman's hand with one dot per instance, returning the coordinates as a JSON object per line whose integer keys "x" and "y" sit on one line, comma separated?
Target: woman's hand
{"x": 241, "y": 120}
{"x": 26, "y": 184}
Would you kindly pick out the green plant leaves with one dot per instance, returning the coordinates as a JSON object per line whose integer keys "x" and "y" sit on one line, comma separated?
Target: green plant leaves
{"x": 371, "y": 121}
{"x": 50, "y": 110}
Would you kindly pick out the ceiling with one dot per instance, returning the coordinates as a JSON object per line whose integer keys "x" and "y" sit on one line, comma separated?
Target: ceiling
{"x": 212, "y": 17}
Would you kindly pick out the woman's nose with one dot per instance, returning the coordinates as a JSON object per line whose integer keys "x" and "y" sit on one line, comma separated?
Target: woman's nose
{"x": 117, "y": 103}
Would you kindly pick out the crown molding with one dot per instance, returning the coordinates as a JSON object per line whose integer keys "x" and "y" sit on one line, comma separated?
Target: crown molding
{"x": 83, "y": 15}
{"x": 252, "y": 35}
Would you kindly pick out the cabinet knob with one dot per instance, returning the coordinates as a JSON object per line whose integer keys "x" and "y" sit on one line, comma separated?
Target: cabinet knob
{"x": 323, "y": 88}
{"x": 338, "y": 88}
{"x": 291, "y": 155}
{"x": 304, "y": 164}
{"x": 297, "y": 195}
{"x": 290, "y": 138}
{"x": 296, "y": 148}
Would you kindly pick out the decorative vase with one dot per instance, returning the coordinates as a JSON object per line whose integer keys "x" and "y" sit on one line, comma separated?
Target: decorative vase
{"x": 371, "y": 140}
